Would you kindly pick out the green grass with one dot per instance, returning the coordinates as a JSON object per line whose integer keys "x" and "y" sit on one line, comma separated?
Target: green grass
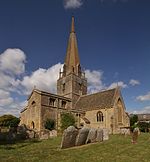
{"x": 117, "y": 149}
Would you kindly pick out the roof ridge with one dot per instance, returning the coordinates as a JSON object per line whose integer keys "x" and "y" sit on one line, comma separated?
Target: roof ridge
{"x": 98, "y": 92}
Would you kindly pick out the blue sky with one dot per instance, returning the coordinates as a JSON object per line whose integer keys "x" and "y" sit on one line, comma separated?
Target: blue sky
{"x": 113, "y": 41}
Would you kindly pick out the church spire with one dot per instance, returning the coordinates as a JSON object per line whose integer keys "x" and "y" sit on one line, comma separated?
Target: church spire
{"x": 72, "y": 62}
{"x": 72, "y": 25}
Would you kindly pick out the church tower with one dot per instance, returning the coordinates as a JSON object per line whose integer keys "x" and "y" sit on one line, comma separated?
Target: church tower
{"x": 72, "y": 82}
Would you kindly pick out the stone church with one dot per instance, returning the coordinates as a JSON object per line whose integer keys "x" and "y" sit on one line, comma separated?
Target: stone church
{"x": 104, "y": 109}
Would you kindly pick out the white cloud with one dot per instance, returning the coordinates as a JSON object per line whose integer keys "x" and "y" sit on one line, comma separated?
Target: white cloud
{"x": 12, "y": 64}
{"x": 12, "y": 61}
{"x": 43, "y": 79}
{"x": 6, "y": 101}
{"x": 94, "y": 79}
{"x": 134, "y": 82}
{"x": 5, "y": 98}
{"x": 120, "y": 84}
{"x": 4, "y": 94}
{"x": 72, "y": 4}
{"x": 145, "y": 97}
{"x": 145, "y": 110}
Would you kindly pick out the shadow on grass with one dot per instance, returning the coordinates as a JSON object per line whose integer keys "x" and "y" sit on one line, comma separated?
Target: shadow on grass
{"x": 15, "y": 144}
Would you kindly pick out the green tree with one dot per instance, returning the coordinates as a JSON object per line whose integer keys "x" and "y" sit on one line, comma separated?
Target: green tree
{"x": 143, "y": 126}
{"x": 133, "y": 120}
{"x": 50, "y": 124}
{"x": 9, "y": 121}
{"x": 67, "y": 119}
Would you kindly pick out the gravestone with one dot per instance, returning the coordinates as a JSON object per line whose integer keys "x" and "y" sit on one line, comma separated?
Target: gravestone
{"x": 69, "y": 137}
{"x": 92, "y": 135}
{"x": 99, "y": 137}
{"x": 82, "y": 136}
{"x": 135, "y": 135}
{"x": 105, "y": 134}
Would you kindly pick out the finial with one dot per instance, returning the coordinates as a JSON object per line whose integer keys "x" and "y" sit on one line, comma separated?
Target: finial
{"x": 72, "y": 25}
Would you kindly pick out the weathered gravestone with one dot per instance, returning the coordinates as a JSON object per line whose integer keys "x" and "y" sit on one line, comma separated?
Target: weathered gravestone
{"x": 69, "y": 137}
{"x": 135, "y": 135}
{"x": 82, "y": 136}
{"x": 92, "y": 135}
{"x": 105, "y": 134}
{"x": 99, "y": 137}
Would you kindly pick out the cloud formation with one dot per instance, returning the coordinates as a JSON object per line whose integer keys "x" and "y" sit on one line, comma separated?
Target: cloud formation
{"x": 94, "y": 79}
{"x": 116, "y": 84}
{"x": 145, "y": 97}
{"x": 12, "y": 61}
{"x": 134, "y": 82}
{"x": 72, "y": 4}
{"x": 144, "y": 110}
{"x": 43, "y": 79}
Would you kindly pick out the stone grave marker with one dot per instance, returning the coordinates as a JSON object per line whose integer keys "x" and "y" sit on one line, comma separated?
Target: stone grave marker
{"x": 82, "y": 136}
{"x": 69, "y": 137}
{"x": 135, "y": 135}
{"x": 92, "y": 135}
{"x": 99, "y": 137}
{"x": 105, "y": 134}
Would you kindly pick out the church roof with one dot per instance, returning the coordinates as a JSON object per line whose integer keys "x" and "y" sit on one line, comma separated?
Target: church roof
{"x": 48, "y": 94}
{"x": 104, "y": 99}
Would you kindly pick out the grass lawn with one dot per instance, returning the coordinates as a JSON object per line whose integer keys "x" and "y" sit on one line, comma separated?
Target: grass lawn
{"x": 117, "y": 149}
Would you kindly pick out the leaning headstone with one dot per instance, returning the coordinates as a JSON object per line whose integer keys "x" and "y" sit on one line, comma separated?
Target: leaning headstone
{"x": 69, "y": 137}
{"x": 92, "y": 135}
{"x": 105, "y": 134}
{"x": 82, "y": 136}
{"x": 135, "y": 135}
{"x": 99, "y": 137}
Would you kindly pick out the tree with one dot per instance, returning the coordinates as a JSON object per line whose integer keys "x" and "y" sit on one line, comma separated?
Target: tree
{"x": 133, "y": 120}
{"x": 143, "y": 126}
{"x": 67, "y": 119}
{"x": 50, "y": 124}
{"x": 9, "y": 121}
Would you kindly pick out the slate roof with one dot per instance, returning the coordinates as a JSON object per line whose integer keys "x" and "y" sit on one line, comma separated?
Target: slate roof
{"x": 98, "y": 100}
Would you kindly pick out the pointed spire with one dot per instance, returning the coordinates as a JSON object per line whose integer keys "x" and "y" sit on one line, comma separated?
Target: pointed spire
{"x": 72, "y": 62}
{"x": 72, "y": 25}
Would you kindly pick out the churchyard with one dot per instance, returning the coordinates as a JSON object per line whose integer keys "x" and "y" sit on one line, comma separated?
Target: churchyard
{"x": 117, "y": 149}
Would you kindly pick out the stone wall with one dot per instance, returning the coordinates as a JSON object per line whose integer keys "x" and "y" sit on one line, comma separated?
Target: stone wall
{"x": 92, "y": 117}
{"x": 31, "y": 115}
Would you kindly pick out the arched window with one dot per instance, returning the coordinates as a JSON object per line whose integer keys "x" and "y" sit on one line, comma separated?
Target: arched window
{"x": 100, "y": 116}
{"x": 120, "y": 111}
{"x": 32, "y": 125}
{"x": 33, "y": 103}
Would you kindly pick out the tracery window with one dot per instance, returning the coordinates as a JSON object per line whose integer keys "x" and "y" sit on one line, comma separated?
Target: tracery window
{"x": 63, "y": 104}
{"x": 100, "y": 117}
{"x": 63, "y": 87}
{"x": 51, "y": 101}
